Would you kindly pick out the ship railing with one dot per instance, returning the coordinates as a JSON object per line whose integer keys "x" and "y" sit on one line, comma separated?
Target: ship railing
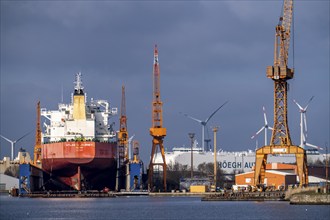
{"x": 45, "y": 113}
{"x": 78, "y": 140}
{"x": 102, "y": 103}
{"x": 114, "y": 111}
{"x": 63, "y": 106}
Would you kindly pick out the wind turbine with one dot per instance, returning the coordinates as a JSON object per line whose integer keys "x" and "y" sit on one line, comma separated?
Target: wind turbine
{"x": 265, "y": 127}
{"x": 13, "y": 143}
{"x": 204, "y": 123}
{"x": 303, "y": 125}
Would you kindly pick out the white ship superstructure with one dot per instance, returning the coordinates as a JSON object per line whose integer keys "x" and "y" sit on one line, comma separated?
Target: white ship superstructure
{"x": 64, "y": 125}
{"x": 79, "y": 144}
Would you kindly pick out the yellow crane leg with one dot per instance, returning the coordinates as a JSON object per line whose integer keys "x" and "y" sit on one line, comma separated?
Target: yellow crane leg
{"x": 260, "y": 167}
{"x": 301, "y": 160}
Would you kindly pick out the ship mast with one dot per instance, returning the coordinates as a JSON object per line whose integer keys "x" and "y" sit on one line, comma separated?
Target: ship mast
{"x": 79, "y": 105}
{"x": 78, "y": 88}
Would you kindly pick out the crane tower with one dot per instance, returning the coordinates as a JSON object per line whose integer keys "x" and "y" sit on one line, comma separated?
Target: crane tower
{"x": 157, "y": 131}
{"x": 280, "y": 141}
{"x": 123, "y": 143}
{"x": 37, "y": 147}
{"x": 123, "y": 134}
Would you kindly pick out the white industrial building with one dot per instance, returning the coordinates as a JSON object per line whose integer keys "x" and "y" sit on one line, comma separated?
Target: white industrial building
{"x": 8, "y": 182}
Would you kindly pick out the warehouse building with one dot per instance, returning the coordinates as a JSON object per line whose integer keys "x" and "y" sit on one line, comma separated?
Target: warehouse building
{"x": 273, "y": 178}
{"x": 7, "y": 182}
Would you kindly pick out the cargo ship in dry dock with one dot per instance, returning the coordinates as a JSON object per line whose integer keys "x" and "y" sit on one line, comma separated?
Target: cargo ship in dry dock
{"x": 79, "y": 147}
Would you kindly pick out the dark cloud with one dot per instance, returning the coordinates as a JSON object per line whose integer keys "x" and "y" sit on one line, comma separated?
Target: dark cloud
{"x": 209, "y": 52}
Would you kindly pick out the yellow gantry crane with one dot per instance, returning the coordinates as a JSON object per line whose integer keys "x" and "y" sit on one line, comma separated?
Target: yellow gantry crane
{"x": 157, "y": 131}
{"x": 280, "y": 141}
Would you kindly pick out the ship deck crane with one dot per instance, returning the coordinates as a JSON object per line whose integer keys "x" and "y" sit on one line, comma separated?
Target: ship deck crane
{"x": 157, "y": 131}
{"x": 280, "y": 141}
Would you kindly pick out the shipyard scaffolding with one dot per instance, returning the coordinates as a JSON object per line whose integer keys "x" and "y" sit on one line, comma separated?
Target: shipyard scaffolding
{"x": 280, "y": 141}
{"x": 157, "y": 131}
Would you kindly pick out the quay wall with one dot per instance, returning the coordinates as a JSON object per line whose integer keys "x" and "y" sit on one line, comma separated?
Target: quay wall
{"x": 310, "y": 199}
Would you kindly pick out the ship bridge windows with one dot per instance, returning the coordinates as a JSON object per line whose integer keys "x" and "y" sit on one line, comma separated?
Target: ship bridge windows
{"x": 114, "y": 111}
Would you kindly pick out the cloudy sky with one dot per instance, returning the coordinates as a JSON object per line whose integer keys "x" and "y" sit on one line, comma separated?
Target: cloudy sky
{"x": 209, "y": 52}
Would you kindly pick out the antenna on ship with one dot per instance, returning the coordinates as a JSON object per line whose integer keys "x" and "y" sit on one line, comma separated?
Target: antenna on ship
{"x": 62, "y": 93}
{"x": 78, "y": 84}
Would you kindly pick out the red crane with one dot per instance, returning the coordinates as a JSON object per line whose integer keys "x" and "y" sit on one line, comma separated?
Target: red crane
{"x": 157, "y": 131}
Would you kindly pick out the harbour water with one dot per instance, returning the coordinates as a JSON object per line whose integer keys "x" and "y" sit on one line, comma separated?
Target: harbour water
{"x": 153, "y": 208}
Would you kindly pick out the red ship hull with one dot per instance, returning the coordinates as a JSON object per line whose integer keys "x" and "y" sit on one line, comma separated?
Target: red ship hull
{"x": 81, "y": 165}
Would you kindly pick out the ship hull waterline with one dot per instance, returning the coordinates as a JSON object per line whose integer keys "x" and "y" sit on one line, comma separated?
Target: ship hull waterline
{"x": 81, "y": 165}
